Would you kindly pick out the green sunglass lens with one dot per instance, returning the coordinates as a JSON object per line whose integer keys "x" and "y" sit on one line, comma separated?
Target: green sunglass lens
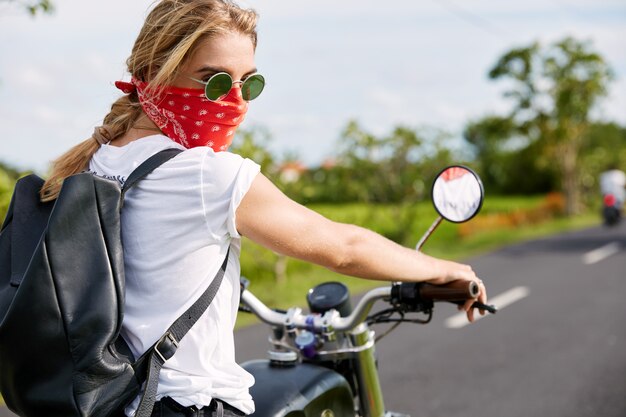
{"x": 252, "y": 87}
{"x": 218, "y": 86}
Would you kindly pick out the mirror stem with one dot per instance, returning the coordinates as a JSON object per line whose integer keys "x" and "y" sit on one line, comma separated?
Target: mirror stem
{"x": 429, "y": 232}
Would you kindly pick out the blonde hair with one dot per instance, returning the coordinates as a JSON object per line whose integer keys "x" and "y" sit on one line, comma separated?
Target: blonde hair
{"x": 168, "y": 37}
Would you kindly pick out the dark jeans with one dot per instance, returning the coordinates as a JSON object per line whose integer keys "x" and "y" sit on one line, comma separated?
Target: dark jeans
{"x": 167, "y": 407}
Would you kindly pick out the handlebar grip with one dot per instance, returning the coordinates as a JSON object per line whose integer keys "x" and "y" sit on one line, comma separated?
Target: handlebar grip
{"x": 453, "y": 291}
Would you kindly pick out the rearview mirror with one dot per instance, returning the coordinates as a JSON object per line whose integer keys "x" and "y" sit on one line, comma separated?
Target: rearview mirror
{"x": 457, "y": 194}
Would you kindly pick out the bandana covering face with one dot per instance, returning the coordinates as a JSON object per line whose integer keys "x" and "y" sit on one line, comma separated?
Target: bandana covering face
{"x": 186, "y": 116}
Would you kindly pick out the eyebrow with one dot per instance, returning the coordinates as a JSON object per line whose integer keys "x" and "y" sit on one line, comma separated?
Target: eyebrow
{"x": 208, "y": 69}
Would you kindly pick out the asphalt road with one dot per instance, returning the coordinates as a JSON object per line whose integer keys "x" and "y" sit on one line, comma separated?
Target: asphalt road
{"x": 559, "y": 350}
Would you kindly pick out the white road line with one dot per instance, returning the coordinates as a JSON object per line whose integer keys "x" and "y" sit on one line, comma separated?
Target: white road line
{"x": 500, "y": 301}
{"x": 601, "y": 253}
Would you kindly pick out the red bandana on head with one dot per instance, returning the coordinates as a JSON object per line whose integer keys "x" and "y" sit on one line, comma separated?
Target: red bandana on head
{"x": 186, "y": 116}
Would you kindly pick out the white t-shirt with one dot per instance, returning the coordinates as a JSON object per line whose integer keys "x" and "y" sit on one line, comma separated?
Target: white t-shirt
{"x": 177, "y": 225}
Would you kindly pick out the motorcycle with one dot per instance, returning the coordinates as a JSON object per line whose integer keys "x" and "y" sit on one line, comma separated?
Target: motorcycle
{"x": 323, "y": 363}
{"x": 611, "y": 210}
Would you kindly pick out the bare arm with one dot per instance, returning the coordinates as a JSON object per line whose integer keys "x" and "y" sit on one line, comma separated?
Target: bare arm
{"x": 271, "y": 219}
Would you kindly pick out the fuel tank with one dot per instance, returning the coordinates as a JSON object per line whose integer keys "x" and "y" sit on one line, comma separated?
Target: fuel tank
{"x": 300, "y": 390}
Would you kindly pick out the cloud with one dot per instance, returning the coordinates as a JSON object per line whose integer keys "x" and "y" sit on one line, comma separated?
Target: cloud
{"x": 47, "y": 116}
{"x": 32, "y": 78}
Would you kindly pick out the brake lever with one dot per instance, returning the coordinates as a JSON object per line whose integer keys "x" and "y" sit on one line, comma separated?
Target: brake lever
{"x": 487, "y": 307}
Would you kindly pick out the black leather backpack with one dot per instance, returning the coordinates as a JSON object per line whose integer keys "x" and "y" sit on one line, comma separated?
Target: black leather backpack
{"x": 62, "y": 299}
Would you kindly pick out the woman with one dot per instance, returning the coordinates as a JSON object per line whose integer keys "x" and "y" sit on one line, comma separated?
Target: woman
{"x": 179, "y": 222}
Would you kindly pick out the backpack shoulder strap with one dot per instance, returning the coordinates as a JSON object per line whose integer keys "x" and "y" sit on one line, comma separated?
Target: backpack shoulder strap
{"x": 166, "y": 346}
{"x": 148, "y": 166}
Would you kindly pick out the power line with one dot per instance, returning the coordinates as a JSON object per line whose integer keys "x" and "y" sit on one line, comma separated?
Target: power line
{"x": 473, "y": 19}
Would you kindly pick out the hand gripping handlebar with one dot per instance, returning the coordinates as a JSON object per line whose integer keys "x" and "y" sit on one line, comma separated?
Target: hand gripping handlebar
{"x": 407, "y": 294}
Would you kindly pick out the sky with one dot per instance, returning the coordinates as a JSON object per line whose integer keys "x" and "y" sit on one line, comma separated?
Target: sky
{"x": 418, "y": 63}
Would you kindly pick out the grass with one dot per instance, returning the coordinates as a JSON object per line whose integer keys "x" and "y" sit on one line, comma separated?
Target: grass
{"x": 414, "y": 221}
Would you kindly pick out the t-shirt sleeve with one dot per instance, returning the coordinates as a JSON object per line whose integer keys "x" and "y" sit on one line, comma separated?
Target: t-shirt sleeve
{"x": 226, "y": 178}
{"x": 247, "y": 173}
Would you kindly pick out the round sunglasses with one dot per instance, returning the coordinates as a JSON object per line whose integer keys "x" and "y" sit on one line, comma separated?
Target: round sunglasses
{"x": 218, "y": 86}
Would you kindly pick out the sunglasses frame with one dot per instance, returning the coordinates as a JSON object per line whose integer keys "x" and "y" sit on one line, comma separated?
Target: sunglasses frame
{"x": 242, "y": 82}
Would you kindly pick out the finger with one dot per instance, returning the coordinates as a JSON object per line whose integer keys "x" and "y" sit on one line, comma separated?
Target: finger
{"x": 470, "y": 315}
{"x": 482, "y": 297}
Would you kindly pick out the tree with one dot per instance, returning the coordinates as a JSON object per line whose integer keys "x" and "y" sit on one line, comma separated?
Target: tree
{"x": 8, "y": 176}
{"x": 554, "y": 90}
{"x": 34, "y": 7}
{"x": 391, "y": 168}
{"x": 502, "y": 153}
{"x": 604, "y": 146}
{"x": 253, "y": 144}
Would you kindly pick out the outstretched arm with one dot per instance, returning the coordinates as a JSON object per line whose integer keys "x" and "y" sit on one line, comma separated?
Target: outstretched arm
{"x": 271, "y": 219}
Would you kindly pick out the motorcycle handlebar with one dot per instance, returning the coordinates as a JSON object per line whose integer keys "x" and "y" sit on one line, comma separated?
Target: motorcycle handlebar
{"x": 295, "y": 318}
{"x": 405, "y": 293}
{"x": 413, "y": 296}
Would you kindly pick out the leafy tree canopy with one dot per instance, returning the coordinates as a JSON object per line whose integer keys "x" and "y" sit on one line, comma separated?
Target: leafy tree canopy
{"x": 553, "y": 89}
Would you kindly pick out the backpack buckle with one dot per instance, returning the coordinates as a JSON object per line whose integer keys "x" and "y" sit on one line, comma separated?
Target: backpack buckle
{"x": 166, "y": 346}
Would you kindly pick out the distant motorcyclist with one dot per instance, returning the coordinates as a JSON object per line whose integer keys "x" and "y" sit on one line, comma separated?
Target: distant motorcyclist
{"x": 613, "y": 182}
